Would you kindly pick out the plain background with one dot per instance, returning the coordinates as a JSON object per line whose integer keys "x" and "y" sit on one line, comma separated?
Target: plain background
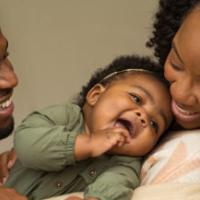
{"x": 55, "y": 45}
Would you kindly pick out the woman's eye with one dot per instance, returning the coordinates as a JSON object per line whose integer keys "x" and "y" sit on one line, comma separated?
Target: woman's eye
{"x": 154, "y": 125}
{"x": 175, "y": 66}
{"x": 175, "y": 63}
{"x": 136, "y": 98}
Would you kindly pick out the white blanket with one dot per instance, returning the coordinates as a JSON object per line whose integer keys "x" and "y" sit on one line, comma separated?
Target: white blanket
{"x": 167, "y": 192}
{"x": 158, "y": 192}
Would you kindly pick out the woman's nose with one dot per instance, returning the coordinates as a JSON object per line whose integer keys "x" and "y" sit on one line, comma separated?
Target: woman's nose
{"x": 184, "y": 93}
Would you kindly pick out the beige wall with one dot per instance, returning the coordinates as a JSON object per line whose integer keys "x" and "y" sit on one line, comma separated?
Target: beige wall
{"x": 55, "y": 45}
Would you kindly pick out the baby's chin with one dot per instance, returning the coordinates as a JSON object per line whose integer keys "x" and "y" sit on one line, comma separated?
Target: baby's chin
{"x": 129, "y": 150}
{"x": 121, "y": 150}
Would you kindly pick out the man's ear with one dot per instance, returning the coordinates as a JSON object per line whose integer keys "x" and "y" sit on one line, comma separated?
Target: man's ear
{"x": 94, "y": 94}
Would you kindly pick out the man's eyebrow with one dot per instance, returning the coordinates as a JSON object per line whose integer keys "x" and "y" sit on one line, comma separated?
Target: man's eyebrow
{"x": 5, "y": 50}
{"x": 176, "y": 51}
{"x": 161, "y": 113}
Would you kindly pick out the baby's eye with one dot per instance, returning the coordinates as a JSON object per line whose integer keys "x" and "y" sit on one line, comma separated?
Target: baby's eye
{"x": 154, "y": 125}
{"x": 137, "y": 99}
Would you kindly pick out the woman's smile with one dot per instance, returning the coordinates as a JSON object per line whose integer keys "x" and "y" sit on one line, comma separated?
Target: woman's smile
{"x": 183, "y": 114}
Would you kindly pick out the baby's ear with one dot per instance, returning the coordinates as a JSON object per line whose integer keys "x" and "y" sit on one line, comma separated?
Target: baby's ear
{"x": 94, "y": 94}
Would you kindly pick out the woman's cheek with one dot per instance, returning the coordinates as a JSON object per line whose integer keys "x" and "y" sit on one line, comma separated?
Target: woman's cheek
{"x": 168, "y": 73}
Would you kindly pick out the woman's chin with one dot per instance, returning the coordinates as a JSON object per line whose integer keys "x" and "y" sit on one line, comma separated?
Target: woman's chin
{"x": 187, "y": 119}
{"x": 189, "y": 125}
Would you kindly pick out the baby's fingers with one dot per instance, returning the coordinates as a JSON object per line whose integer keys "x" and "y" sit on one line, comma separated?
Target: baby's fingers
{"x": 125, "y": 134}
{"x": 122, "y": 137}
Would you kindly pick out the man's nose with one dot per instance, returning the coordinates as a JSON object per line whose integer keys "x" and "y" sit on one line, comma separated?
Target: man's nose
{"x": 8, "y": 78}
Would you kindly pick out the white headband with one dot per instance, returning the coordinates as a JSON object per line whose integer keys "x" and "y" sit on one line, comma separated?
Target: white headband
{"x": 126, "y": 70}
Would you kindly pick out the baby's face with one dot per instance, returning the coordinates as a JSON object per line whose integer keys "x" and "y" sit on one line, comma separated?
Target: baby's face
{"x": 138, "y": 103}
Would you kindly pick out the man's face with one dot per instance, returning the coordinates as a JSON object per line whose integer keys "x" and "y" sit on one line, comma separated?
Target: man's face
{"x": 8, "y": 80}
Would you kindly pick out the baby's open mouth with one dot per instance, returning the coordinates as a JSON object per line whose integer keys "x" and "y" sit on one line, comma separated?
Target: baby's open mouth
{"x": 124, "y": 123}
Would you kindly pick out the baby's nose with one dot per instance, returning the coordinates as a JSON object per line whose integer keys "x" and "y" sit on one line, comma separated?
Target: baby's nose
{"x": 142, "y": 118}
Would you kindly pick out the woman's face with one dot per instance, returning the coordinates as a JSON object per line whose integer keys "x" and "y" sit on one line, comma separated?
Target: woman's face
{"x": 182, "y": 69}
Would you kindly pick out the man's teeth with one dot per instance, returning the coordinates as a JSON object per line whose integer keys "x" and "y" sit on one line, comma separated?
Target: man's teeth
{"x": 6, "y": 104}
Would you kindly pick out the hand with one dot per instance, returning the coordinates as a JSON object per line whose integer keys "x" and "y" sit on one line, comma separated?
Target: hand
{"x": 10, "y": 194}
{"x": 104, "y": 140}
{"x": 7, "y": 160}
{"x": 99, "y": 142}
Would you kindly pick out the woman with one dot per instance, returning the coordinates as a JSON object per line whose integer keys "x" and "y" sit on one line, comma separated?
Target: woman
{"x": 173, "y": 169}
{"x": 176, "y": 43}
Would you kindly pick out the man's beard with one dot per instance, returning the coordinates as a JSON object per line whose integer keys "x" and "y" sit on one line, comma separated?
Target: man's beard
{"x": 5, "y": 132}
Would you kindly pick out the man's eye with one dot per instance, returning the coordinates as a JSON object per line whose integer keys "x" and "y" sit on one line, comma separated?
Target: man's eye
{"x": 137, "y": 99}
{"x": 154, "y": 125}
{"x": 6, "y": 55}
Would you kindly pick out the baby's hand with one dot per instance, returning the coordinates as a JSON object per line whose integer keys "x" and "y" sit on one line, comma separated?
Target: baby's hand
{"x": 103, "y": 140}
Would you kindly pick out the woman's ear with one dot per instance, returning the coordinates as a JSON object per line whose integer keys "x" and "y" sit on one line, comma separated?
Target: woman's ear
{"x": 94, "y": 94}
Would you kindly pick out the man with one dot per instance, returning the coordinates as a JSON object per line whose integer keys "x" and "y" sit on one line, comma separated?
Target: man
{"x": 8, "y": 81}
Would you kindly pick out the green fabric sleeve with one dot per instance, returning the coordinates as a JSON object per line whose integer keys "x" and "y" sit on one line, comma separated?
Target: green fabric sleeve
{"x": 116, "y": 183}
{"x": 45, "y": 139}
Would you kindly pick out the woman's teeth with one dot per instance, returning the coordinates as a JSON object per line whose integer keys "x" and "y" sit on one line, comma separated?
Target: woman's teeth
{"x": 185, "y": 112}
{"x": 6, "y": 104}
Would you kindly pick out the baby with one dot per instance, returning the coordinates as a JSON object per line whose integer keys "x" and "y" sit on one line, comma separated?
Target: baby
{"x": 95, "y": 145}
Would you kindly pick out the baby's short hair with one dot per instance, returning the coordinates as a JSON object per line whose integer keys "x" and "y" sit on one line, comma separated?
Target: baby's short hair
{"x": 114, "y": 69}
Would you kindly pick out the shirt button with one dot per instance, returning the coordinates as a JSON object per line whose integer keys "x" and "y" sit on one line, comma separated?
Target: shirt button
{"x": 59, "y": 185}
{"x": 92, "y": 172}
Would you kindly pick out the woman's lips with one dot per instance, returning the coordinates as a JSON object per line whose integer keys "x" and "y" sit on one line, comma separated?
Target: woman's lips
{"x": 184, "y": 115}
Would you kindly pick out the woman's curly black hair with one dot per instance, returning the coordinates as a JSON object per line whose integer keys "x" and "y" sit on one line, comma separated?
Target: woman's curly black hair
{"x": 120, "y": 64}
{"x": 168, "y": 19}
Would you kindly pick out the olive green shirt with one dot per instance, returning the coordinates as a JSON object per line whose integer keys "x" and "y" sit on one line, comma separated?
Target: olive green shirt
{"x": 46, "y": 167}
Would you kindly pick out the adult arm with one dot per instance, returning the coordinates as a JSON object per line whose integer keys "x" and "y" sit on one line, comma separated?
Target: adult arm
{"x": 7, "y": 160}
{"x": 10, "y": 194}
